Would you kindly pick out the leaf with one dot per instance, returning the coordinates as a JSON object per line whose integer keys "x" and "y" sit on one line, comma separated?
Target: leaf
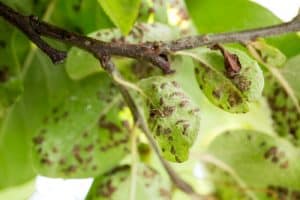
{"x": 172, "y": 117}
{"x": 80, "y": 134}
{"x": 80, "y": 16}
{"x": 250, "y": 154}
{"x": 155, "y": 9}
{"x": 20, "y": 192}
{"x": 122, "y": 12}
{"x": 13, "y": 48}
{"x": 232, "y": 92}
{"x": 239, "y": 15}
{"x": 116, "y": 184}
{"x": 81, "y": 64}
{"x": 44, "y": 86}
{"x": 233, "y": 16}
{"x": 283, "y": 93}
{"x": 269, "y": 54}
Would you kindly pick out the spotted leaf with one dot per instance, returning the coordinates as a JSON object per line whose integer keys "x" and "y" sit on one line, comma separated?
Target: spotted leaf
{"x": 116, "y": 185}
{"x": 172, "y": 116}
{"x": 81, "y": 133}
{"x": 262, "y": 165}
{"x": 230, "y": 92}
{"x": 283, "y": 96}
{"x": 269, "y": 54}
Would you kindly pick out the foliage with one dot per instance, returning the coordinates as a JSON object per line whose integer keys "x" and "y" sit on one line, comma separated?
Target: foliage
{"x": 233, "y": 109}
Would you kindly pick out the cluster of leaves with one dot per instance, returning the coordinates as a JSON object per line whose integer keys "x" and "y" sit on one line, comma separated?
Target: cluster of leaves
{"x": 238, "y": 107}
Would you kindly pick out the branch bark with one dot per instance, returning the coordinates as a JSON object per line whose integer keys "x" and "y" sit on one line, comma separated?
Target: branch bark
{"x": 154, "y": 52}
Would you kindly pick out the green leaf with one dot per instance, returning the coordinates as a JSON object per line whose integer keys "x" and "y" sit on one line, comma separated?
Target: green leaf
{"x": 80, "y": 134}
{"x": 44, "y": 86}
{"x": 172, "y": 116}
{"x": 283, "y": 94}
{"x": 13, "y": 48}
{"x": 122, "y": 12}
{"x": 20, "y": 192}
{"x": 117, "y": 184}
{"x": 247, "y": 155}
{"x": 81, "y": 64}
{"x": 230, "y": 93}
{"x": 80, "y": 16}
{"x": 269, "y": 54}
{"x": 153, "y": 9}
{"x": 214, "y": 16}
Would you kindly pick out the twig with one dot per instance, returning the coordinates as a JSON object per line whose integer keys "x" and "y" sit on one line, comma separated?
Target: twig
{"x": 154, "y": 52}
{"x": 108, "y": 65}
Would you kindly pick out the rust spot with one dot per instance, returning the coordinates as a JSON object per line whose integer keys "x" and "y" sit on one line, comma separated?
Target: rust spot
{"x": 38, "y": 140}
{"x": 4, "y": 74}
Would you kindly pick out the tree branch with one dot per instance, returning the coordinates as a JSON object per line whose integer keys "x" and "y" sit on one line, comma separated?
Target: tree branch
{"x": 154, "y": 52}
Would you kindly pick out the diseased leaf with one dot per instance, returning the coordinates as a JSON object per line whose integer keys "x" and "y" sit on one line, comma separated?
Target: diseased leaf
{"x": 269, "y": 54}
{"x": 116, "y": 185}
{"x": 283, "y": 96}
{"x": 266, "y": 165}
{"x": 122, "y": 12}
{"x": 80, "y": 134}
{"x": 81, "y": 64}
{"x": 44, "y": 86}
{"x": 172, "y": 117}
{"x": 229, "y": 90}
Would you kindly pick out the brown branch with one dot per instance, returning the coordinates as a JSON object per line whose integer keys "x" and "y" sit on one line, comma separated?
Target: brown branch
{"x": 154, "y": 52}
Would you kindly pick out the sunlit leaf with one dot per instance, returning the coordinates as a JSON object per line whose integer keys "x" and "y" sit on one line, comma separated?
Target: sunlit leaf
{"x": 229, "y": 92}
{"x": 262, "y": 164}
{"x": 172, "y": 117}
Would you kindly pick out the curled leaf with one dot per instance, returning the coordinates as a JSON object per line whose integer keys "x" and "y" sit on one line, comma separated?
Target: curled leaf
{"x": 269, "y": 54}
{"x": 172, "y": 117}
{"x": 229, "y": 80}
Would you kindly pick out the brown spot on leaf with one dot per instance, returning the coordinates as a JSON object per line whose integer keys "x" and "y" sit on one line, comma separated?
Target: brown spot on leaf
{"x": 38, "y": 140}
{"x": 4, "y": 74}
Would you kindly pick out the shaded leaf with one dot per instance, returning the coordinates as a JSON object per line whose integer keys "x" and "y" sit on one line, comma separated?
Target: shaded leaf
{"x": 116, "y": 185}
{"x": 172, "y": 116}
{"x": 44, "y": 86}
{"x": 122, "y": 12}
{"x": 250, "y": 154}
{"x": 80, "y": 134}
{"x": 80, "y": 16}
